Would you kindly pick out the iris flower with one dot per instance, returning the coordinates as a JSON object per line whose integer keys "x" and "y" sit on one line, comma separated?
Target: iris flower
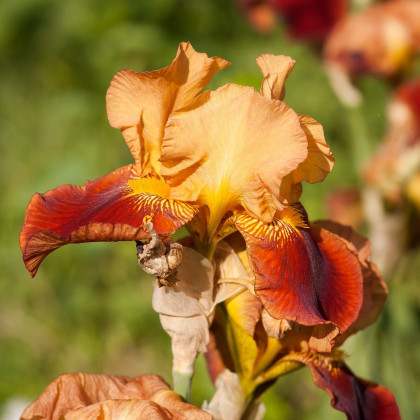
{"x": 216, "y": 162}
{"x": 110, "y": 397}
{"x": 271, "y": 348}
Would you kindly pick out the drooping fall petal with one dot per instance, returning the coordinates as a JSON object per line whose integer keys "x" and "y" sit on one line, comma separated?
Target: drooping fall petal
{"x": 111, "y": 208}
{"x": 358, "y": 398}
{"x": 149, "y": 394}
{"x": 374, "y": 287}
{"x": 140, "y": 103}
{"x": 307, "y": 275}
{"x": 212, "y": 152}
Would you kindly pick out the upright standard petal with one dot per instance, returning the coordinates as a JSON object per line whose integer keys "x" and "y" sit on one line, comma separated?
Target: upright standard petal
{"x": 232, "y": 148}
{"x": 275, "y": 69}
{"x": 303, "y": 274}
{"x": 111, "y": 208}
{"x": 140, "y": 103}
{"x": 357, "y": 398}
{"x": 315, "y": 167}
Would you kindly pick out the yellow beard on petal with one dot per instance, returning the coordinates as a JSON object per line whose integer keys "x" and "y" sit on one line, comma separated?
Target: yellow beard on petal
{"x": 283, "y": 225}
{"x": 149, "y": 185}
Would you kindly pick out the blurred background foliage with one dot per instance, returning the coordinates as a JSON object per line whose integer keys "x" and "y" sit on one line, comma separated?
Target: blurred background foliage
{"x": 89, "y": 308}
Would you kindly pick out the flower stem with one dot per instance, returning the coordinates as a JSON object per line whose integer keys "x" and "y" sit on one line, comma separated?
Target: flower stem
{"x": 182, "y": 384}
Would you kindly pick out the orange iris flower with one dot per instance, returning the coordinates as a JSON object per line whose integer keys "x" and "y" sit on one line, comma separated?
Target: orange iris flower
{"x": 216, "y": 162}
{"x": 110, "y": 397}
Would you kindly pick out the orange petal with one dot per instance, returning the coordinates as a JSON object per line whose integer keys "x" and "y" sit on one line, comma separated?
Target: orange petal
{"x": 140, "y": 103}
{"x": 121, "y": 409}
{"x": 315, "y": 167}
{"x": 358, "y": 398}
{"x": 320, "y": 338}
{"x": 111, "y": 208}
{"x": 305, "y": 275}
{"x": 232, "y": 147}
{"x": 72, "y": 392}
{"x": 275, "y": 69}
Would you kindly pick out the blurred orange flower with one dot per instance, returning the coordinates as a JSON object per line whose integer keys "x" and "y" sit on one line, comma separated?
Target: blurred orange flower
{"x": 380, "y": 39}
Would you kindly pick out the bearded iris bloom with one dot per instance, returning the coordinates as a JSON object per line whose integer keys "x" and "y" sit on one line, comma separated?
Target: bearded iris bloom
{"x": 110, "y": 397}
{"x": 216, "y": 162}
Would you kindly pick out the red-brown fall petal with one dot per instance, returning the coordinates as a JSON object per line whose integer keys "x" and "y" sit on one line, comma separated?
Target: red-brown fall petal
{"x": 106, "y": 209}
{"x": 374, "y": 287}
{"x": 358, "y": 398}
{"x": 307, "y": 275}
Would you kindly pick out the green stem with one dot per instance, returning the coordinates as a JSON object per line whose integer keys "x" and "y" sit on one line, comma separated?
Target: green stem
{"x": 182, "y": 384}
{"x": 359, "y": 137}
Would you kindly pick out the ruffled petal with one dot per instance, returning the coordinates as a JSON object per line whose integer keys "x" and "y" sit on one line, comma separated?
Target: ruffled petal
{"x": 89, "y": 396}
{"x": 315, "y": 167}
{"x": 111, "y": 208}
{"x": 275, "y": 69}
{"x": 307, "y": 275}
{"x": 375, "y": 290}
{"x": 206, "y": 152}
{"x": 121, "y": 409}
{"x": 358, "y": 398}
{"x": 140, "y": 103}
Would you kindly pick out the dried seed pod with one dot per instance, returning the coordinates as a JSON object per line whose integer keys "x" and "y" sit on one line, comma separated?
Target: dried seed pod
{"x": 159, "y": 258}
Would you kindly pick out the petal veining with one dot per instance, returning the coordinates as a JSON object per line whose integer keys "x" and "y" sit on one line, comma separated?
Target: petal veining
{"x": 357, "y": 398}
{"x": 305, "y": 275}
{"x": 232, "y": 148}
{"x": 140, "y": 103}
{"x": 106, "y": 209}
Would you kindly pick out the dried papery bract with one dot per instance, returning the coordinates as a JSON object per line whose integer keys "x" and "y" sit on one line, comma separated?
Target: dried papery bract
{"x": 186, "y": 309}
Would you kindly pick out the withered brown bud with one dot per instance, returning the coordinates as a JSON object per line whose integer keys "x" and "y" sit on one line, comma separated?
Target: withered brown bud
{"x": 159, "y": 258}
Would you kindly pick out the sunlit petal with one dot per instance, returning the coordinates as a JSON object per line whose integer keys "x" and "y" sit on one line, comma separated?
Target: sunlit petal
{"x": 232, "y": 147}
{"x": 307, "y": 275}
{"x": 110, "y": 397}
{"x": 111, "y": 208}
{"x": 140, "y": 103}
{"x": 358, "y": 398}
{"x": 275, "y": 69}
{"x": 315, "y": 167}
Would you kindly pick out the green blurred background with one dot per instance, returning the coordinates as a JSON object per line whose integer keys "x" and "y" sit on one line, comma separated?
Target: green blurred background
{"x": 89, "y": 308}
